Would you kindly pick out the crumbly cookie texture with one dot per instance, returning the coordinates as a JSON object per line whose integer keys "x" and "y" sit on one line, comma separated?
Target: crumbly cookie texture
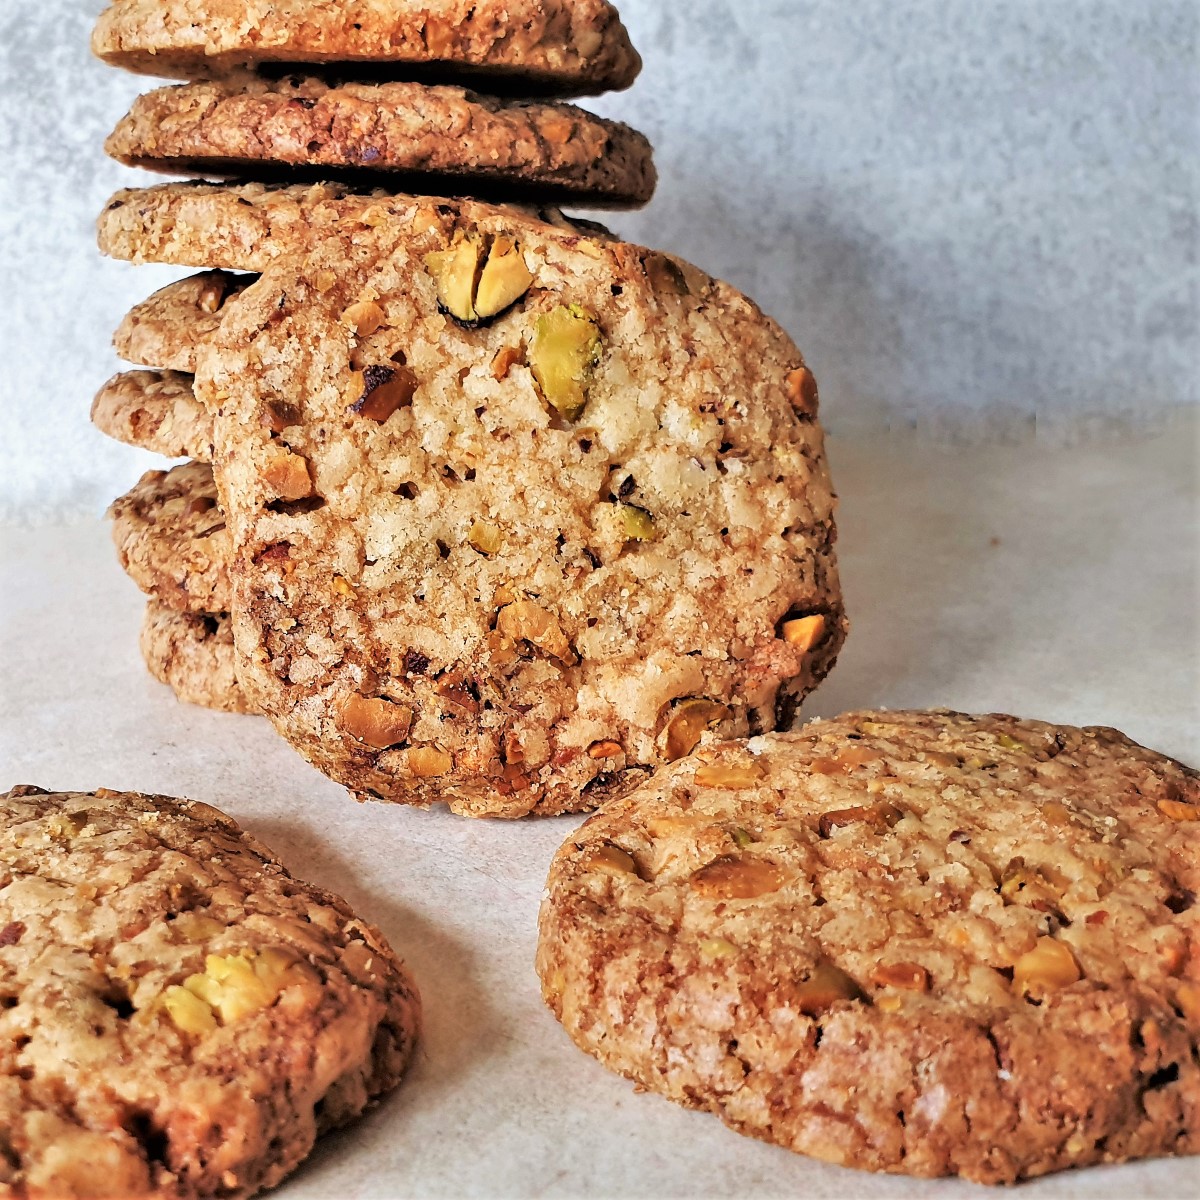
{"x": 172, "y": 540}
{"x": 178, "y": 1015}
{"x": 192, "y": 653}
{"x": 156, "y": 410}
{"x": 434, "y": 138}
{"x": 247, "y": 227}
{"x": 165, "y": 330}
{"x": 569, "y": 47}
{"x": 915, "y": 942}
{"x": 518, "y": 513}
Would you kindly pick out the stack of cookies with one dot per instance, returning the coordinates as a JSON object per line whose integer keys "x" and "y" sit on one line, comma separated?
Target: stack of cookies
{"x": 485, "y": 506}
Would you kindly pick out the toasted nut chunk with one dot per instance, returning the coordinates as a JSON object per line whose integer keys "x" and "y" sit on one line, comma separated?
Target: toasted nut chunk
{"x": 286, "y": 474}
{"x": 384, "y": 391}
{"x": 325, "y": 281}
{"x": 485, "y": 538}
{"x": 637, "y": 524}
{"x": 802, "y": 392}
{"x": 734, "y": 877}
{"x": 63, "y": 827}
{"x": 523, "y": 620}
{"x": 194, "y": 927}
{"x": 456, "y": 273}
{"x": 804, "y": 632}
{"x": 1176, "y": 810}
{"x": 605, "y": 750}
{"x": 188, "y": 1011}
{"x": 908, "y": 976}
{"x": 427, "y": 762}
{"x": 730, "y": 778}
{"x": 211, "y": 297}
{"x": 824, "y": 988}
{"x": 564, "y": 352}
{"x": 457, "y": 691}
{"x": 665, "y": 275}
{"x": 609, "y": 859}
{"x": 343, "y": 587}
{"x": 742, "y": 838}
{"x": 364, "y": 318}
{"x": 878, "y": 816}
{"x": 712, "y": 948}
{"x": 1011, "y": 743}
{"x": 1048, "y": 966}
{"x": 278, "y": 415}
{"x": 1055, "y": 813}
{"x": 846, "y": 762}
{"x": 1187, "y": 997}
{"x": 504, "y": 280}
{"x": 234, "y": 986}
{"x": 688, "y": 722}
{"x": 506, "y": 358}
{"x": 377, "y": 723}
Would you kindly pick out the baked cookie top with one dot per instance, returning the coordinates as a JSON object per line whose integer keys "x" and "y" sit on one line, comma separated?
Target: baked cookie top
{"x": 567, "y": 47}
{"x": 422, "y": 138}
{"x": 156, "y": 410}
{"x": 165, "y": 329}
{"x": 916, "y": 942}
{"x": 192, "y": 653}
{"x": 178, "y": 1015}
{"x": 518, "y": 512}
{"x": 172, "y": 539}
{"x": 248, "y": 226}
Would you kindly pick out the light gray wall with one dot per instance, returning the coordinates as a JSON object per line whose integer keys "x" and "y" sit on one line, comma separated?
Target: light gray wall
{"x": 968, "y": 213}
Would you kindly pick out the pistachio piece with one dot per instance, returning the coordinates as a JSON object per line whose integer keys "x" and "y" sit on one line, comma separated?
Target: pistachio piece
{"x": 234, "y": 986}
{"x": 824, "y": 988}
{"x": 344, "y": 587}
{"x": 1050, "y": 965}
{"x": 523, "y": 620}
{"x": 689, "y": 720}
{"x": 713, "y": 948}
{"x": 729, "y": 778}
{"x": 742, "y": 838}
{"x": 736, "y": 877}
{"x": 563, "y": 354}
{"x": 803, "y": 632}
{"x": 384, "y": 391}
{"x": 665, "y": 275}
{"x": 637, "y": 524}
{"x": 376, "y": 722}
{"x": 190, "y": 1014}
{"x": 456, "y": 272}
{"x": 504, "y": 280}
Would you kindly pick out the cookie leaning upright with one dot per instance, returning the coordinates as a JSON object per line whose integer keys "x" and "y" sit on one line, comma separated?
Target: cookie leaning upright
{"x": 519, "y": 511}
{"x": 178, "y": 1015}
{"x": 914, "y": 942}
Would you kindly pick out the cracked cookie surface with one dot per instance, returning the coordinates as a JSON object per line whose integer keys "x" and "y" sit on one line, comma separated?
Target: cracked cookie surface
{"x": 156, "y": 411}
{"x": 518, "y": 512}
{"x": 424, "y": 138}
{"x": 178, "y": 1015}
{"x": 192, "y": 653}
{"x": 913, "y": 942}
{"x": 172, "y": 540}
{"x": 568, "y": 47}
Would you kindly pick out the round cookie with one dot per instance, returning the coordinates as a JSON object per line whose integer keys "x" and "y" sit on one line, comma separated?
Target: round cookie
{"x": 165, "y": 330}
{"x": 424, "y": 139}
{"x": 569, "y": 47}
{"x": 192, "y": 653}
{"x": 157, "y": 411}
{"x": 179, "y": 1016}
{"x": 172, "y": 540}
{"x": 249, "y": 226}
{"x": 915, "y": 942}
{"x": 518, "y": 513}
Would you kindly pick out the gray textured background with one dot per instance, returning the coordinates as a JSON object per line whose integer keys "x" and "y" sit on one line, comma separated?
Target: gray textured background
{"x": 969, "y": 214}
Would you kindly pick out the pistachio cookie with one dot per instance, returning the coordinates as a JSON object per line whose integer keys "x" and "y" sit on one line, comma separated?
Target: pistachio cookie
{"x": 423, "y": 138}
{"x": 568, "y": 47}
{"x": 518, "y": 513}
{"x": 249, "y": 226}
{"x": 915, "y": 942}
{"x": 171, "y": 538}
{"x": 192, "y": 653}
{"x": 156, "y": 411}
{"x": 178, "y": 1015}
{"x": 165, "y": 330}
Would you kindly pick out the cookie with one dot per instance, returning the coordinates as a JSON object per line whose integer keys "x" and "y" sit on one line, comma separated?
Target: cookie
{"x": 172, "y": 541}
{"x": 165, "y": 330}
{"x": 517, "y": 513}
{"x": 157, "y": 411}
{"x": 247, "y": 227}
{"x": 192, "y": 653}
{"x": 179, "y": 1016}
{"x": 424, "y": 139}
{"x": 568, "y": 47}
{"x": 914, "y": 942}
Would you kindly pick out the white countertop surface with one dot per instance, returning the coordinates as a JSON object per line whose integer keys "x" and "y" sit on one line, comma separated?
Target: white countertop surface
{"x": 1060, "y": 584}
